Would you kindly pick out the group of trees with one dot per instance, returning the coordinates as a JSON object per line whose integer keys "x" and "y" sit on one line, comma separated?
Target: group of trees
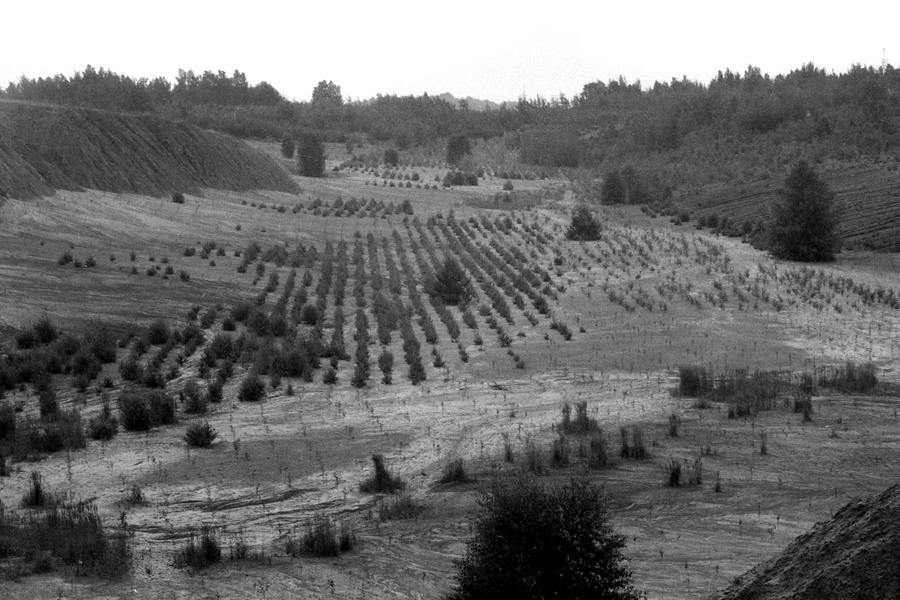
{"x": 607, "y": 124}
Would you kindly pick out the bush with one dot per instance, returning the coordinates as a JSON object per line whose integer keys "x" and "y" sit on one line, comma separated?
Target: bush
{"x": 454, "y": 472}
{"x": 200, "y": 435}
{"x": 694, "y": 382}
{"x": 329, "y": 376}
{"x": 321, "y": 539}
{"x": 850, "y": 379}
{"x": 581, "y": 424}
{"x": 391, "y": 157}
{"x": 252, "y": 388}
{"x": 287, "y": 147}
{"x": 142, "y": 410}
{"x": 158, "y": 332}
{"x": 633, "y": 443}
{"x": 71, "y": 533}
{"x": 311, "y": 156}
{"x": 194, "y": 401}
{"x": 178, "y": 198}
{"x": 584, "y": 226}
{"x": 309, "y": 314}
{"x": 533, "y": 543}
{"x": 49, "y": 407}
{"x": 450, "y": 283}
{"x": 200, "y": 552}
{"x": 103, "y": 427}
{"x": 399, "y": 506}
{"x": 381, "y": 482}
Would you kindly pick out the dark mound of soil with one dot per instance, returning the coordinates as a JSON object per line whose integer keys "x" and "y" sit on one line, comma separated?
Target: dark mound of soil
{"x": 43, "y": 148}
{"x": 856, "y": 554}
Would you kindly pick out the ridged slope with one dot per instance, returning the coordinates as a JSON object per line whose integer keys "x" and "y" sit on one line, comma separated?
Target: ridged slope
{"x": 856, "y": 554}
{"x": 45, "y": 147}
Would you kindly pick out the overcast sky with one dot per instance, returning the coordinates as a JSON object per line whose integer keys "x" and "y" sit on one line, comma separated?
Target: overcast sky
{"x": 484, "y": 49}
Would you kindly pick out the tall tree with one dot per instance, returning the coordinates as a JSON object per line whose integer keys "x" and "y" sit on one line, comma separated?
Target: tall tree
{"x": 311, "y": 156}
{"x": 327, "y": 94}
{"x": 805, "y": 221}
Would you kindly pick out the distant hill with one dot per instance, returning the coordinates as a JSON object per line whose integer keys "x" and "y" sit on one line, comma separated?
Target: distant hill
{"x": 853, "y": 555}
{"x": 44, "y": 147}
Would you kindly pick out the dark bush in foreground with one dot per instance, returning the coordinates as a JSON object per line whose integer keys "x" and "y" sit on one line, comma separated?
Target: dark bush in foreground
{"x": 200, "y": 435}
{"x": 381, "y": 482}
{"x": 532, "y": 543}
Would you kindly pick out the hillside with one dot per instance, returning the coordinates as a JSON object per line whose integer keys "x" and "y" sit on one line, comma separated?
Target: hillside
{"x": 867, "y": 193}
{"x": 43, "y": 148}
{"x": 853, "y": 555}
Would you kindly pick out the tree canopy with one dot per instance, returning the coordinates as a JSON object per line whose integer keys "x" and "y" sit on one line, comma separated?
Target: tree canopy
{"x": 535, "y": 544}
{"x": 805, "y": 221}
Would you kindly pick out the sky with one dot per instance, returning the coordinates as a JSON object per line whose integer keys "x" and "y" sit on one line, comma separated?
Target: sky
{"x": 490, "y": 50}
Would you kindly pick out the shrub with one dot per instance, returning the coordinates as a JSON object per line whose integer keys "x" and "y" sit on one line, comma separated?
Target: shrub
{"x": 200, "y": 435}
{"x": 391, "y": 157}
{"x": 71, "y": 533}
{"x": 49, "y": 407}
{"x": 36, "y": 496}
{"x": 508, "y": 186}
{"x": 287, "y": 147}
{"x": 633, "y": 443}
{"x": 214, "y": 390}
{"x": 399, "y": 506}
{"x": 529, "y": 542}
{"x": 309, "y": 314}
{"x": 598, "y": 457}
{"x": 329, "y": 376}
{"x": 194, "y": 401}
{"x": 142, "y": 410}
{"x": 178, "y": 198}
{"x": 104, "y": 426}
{"x": 311, "y": 156}
{"x": 381, "y": 481}
{"x": 252, "y": 388}
{"x": 158, "y": 332}
{"x": 584, "y": 226}
{"x": 581, "y": 423}
{"x": 200, "y": 551}
{"x": 850, "y": 379}
{"x": 454, "y": 472}
{"x": 450, "y": 283}
{"x": 693, "y": 381}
